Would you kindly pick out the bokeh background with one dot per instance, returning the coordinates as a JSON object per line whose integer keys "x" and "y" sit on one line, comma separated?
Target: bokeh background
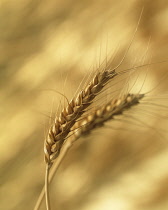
{"x": 54, "y": 45}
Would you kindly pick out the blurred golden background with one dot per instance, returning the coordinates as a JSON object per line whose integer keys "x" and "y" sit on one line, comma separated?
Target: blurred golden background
{"x": 53, "y": 45}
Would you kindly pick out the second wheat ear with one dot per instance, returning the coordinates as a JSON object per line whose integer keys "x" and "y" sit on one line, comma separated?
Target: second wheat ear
{"x": 105, "y": 113}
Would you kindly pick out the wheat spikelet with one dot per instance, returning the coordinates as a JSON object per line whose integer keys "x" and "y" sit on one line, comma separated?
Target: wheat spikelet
{"x": 63, "y": 124}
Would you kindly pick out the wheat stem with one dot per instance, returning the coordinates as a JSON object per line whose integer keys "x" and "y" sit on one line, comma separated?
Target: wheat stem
{"x": 48, "y": 207}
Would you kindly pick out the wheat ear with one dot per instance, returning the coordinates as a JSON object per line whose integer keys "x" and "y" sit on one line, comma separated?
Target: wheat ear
{"x": 67, "y": 118}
